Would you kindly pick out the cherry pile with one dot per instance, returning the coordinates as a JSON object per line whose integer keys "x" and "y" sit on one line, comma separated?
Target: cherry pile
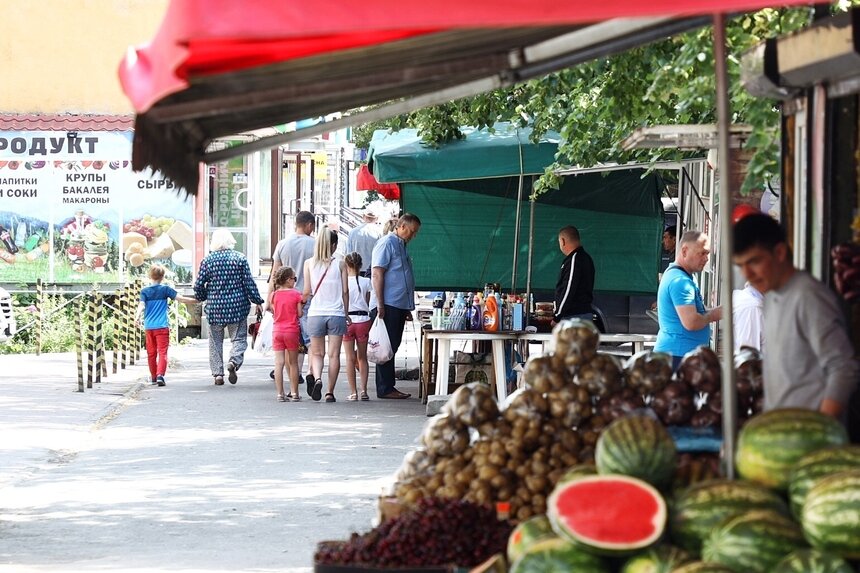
{"x": 437, "y": 531}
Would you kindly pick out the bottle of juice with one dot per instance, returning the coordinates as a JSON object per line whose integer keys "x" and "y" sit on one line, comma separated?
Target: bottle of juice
{"x": 491, "y": 314}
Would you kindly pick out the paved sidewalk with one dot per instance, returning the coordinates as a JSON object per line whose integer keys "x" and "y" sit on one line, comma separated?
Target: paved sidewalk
{"x": 44, "y": 417}
{"x": 191, "y": 477}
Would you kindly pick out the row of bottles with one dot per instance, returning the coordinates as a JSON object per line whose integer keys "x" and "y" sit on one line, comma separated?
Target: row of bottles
{"x": 488, "y": 311}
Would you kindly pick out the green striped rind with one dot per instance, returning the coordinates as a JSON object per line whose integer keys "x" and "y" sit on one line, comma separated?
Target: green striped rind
{"x": 578, "y": 471}
{"x": 831, "y": 515}
{"x": 811, "y": 561}
{"x": 703, "y": 567}
{"x": 637, "y": 446}
{"x": 697, "y": 510}
{"x": 660, "y": 559}
{"x": 527, "y": 534}
{"x": 753, "y": 542}
{"x": 771, "y": 443}
{"x": 816, "y": 465}
{"x": 558, "y": 556}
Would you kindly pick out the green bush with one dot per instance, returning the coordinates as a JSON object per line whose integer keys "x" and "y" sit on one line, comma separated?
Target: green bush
{"x": 60, "y": 322}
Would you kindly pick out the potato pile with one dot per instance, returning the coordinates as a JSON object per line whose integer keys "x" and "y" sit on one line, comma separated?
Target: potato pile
{"x": 480, "y": 452}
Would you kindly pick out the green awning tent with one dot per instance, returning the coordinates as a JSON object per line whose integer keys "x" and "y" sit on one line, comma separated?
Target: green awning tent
{"x": 465, "y": 193}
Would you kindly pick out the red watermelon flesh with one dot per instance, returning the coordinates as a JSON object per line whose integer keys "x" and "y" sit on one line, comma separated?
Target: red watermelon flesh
{"x": 609, "y": 513}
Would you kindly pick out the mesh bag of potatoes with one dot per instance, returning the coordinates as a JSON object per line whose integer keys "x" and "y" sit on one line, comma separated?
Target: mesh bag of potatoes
{"x": 574, "y": 342}
{"x": 648, "y": 372}
{"x": 473, "y": 405}
{"x": 546, "y": 374}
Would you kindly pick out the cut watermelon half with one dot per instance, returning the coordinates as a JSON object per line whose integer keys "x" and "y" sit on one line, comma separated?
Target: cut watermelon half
{"x": 608, "y": 514}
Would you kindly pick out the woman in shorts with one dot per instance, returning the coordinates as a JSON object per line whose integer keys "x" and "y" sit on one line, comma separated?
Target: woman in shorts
{"x": 325, "y": 285}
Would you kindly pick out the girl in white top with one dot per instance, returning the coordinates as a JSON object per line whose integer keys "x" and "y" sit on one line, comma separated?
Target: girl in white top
{"x": 358, "y": 331}
{"x": 326, "y": 287}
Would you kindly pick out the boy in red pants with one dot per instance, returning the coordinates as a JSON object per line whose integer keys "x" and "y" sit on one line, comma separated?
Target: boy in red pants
{"x": 153, "y": 307}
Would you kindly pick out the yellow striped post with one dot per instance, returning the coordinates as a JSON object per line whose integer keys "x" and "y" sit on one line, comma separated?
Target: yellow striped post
{"x": 79, "y": 347}
{"x": 117, "y": 321}
{"x": 40, "y": 306}
{"x": 90, "y": 330}
{"x": 101, "y": 362}
{"x": 130, "y": 327}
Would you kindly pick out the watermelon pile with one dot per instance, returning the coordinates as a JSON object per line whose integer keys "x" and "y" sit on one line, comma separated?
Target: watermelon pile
{"x": 615, "y": 512}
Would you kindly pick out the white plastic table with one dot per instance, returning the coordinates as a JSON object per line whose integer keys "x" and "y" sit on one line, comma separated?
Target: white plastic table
{"x": 443, "y": 340}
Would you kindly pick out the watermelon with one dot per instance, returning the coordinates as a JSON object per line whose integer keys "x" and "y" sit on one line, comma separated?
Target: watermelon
{"x": 558, "y": 556}
{"x": 753, "y": 542}
{"x": 811, "y": 561}
{"x": 831, "y": 515}
{"x": 527, "y": 534}
{"x": 659, "y": 559}
{"x": 703, "y": 567}
{"x": 608, "y": 514}
{"x": 771, "y": 443}
{"x": 816, "y": 465}
{"x": 637, "y": 446}
{"x": 577, "y": 471}
{"x": 698, "y": 509}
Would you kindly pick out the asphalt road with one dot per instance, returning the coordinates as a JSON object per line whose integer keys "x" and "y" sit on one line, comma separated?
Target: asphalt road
{"x": 194, "y": 477}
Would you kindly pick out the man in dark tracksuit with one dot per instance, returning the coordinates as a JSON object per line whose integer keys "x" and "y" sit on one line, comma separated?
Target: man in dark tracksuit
{"x": 574, "y": 290}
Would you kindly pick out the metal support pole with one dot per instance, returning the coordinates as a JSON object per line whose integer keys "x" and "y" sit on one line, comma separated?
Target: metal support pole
{"x": 730, "y": 399}
{"x": 531, "y": 250}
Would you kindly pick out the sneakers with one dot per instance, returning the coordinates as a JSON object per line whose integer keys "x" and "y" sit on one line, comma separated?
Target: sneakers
{"x": 231, "y": 373}
{"x": 153, "y": 382}
{"x": 219, "y": 380}
{"x": 159, "y": 381}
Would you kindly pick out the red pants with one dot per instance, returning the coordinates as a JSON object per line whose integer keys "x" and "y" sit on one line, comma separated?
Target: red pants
{"x": 157, "y": 341}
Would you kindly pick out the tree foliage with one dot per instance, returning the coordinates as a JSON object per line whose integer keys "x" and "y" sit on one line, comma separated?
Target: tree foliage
{"x": 595, "y": 105}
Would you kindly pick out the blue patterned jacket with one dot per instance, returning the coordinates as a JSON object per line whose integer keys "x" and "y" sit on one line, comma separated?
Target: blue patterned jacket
{"x": 225, "y": 283}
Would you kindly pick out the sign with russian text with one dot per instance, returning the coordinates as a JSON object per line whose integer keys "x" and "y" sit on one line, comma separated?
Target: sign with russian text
{"x": 72, "y": 210}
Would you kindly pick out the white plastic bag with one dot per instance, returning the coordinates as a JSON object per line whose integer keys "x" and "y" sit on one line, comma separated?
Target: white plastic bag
{"x": 378, "y": 345}
{"x": 263, "y": 342}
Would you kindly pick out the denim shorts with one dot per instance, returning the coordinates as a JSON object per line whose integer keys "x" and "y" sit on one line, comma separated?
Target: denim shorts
{"x": 326, "y": 326}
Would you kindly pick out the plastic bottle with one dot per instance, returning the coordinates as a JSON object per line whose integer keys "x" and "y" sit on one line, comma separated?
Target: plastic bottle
{"x": 477, "y": 317}
{"x": 491, "y": 314}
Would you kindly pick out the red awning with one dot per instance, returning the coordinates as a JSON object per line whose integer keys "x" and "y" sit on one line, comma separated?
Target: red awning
{"x": 200, "y": 37}
{"x": 221, "y": 67}
{"x": 365, "y": 181}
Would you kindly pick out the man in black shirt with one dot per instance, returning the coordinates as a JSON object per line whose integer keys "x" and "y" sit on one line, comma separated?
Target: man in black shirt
{"x": 574, "y": 290}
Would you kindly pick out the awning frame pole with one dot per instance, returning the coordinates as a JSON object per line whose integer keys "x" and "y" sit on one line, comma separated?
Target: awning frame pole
{"x": 517, "y": 223}
{"x": 729, "y": 390}
{"x": 531, "y": 250}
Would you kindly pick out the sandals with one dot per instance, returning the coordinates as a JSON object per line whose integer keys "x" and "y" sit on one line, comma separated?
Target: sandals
{"x": 316, "y": 393}
{"x": 352, "y": 398}
{"x": 363, "y": 396}
{"x": 282, "y": 398}
{"x": 294, "y": 398}
{"x": 329, "y": 397}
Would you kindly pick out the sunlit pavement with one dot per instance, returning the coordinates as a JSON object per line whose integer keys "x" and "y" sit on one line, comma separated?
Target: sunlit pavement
{"x": 190, "y": 477}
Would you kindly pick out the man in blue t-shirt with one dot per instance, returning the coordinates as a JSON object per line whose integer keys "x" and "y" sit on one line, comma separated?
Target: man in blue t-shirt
{"x": 685, "y": 324}
{"x": 153, "y": 307}
{"x": 394, "y": 285}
